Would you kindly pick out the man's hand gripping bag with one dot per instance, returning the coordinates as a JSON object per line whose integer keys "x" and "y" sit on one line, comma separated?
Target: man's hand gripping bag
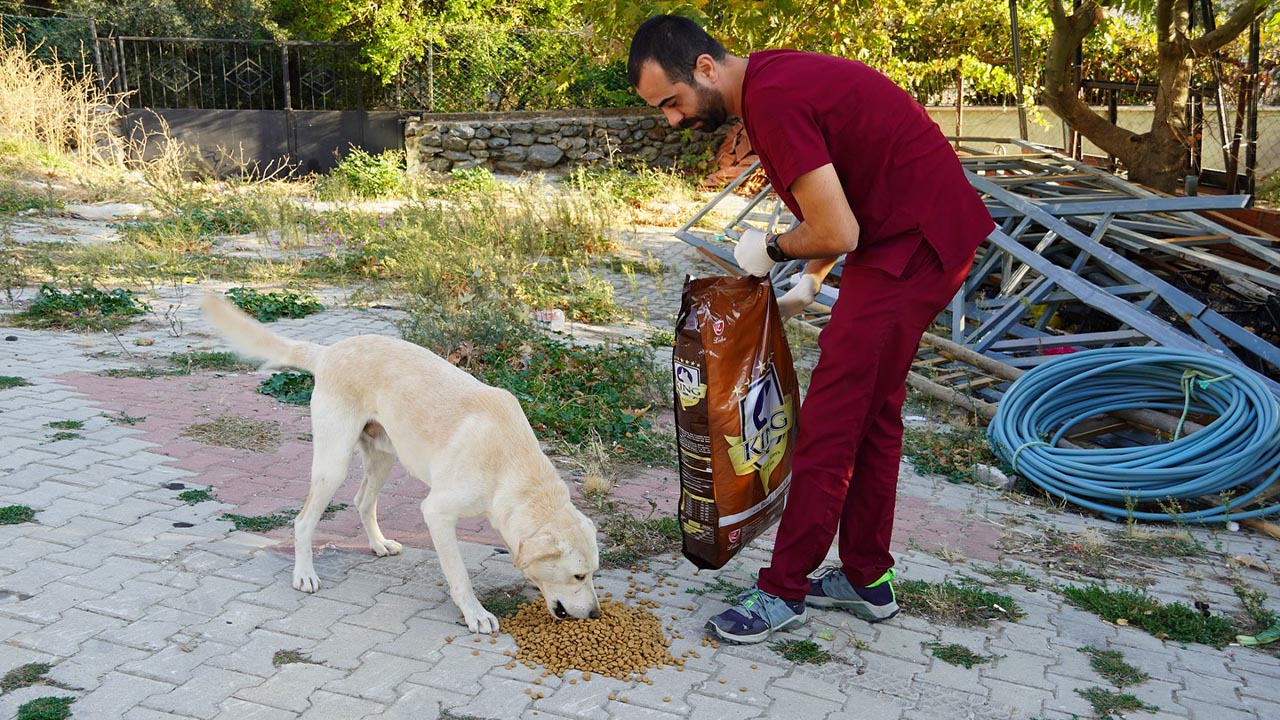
{"x": 736, "y": 403}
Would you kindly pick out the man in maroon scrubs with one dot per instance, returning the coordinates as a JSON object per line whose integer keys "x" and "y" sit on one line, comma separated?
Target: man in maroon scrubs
{"x": 870, "y": 177}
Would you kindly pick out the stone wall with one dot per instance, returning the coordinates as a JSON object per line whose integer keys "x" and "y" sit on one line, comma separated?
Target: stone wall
{"x": 551, "y": 141}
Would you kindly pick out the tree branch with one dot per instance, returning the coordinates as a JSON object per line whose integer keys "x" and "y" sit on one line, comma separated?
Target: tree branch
{"x": 1232, "y": 28}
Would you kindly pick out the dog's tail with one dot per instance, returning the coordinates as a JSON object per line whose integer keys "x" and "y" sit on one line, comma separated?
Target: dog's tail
{"x": 253, "y": 339}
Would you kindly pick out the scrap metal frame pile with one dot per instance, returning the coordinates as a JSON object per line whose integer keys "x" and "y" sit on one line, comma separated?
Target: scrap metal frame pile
{"x": 1079, "y": 259}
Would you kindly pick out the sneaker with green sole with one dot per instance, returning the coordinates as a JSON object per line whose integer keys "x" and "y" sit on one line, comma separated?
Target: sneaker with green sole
{"x": 873, "y": 603}
{"x": 756, "y": 616}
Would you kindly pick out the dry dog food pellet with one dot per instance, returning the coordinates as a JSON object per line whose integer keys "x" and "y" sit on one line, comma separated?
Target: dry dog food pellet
{"x": 448, "y": 638}
{"x": 666, "y": 699}
{"x": 622, "y": 642}
{"x": 742, "y": 689}
{"x": 475, "y": 652}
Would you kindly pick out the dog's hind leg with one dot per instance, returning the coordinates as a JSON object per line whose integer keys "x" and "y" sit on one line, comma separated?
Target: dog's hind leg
{"x": 377, "y": 466}
{"x": 443, "y": 524}
{"x": 333, "y": 439}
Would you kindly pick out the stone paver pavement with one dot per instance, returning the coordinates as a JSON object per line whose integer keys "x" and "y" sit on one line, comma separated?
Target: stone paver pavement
{"x": 148, "y": 607}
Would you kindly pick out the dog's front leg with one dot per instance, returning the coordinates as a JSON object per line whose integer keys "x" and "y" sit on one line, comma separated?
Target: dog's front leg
{"x": 444, "y": 535}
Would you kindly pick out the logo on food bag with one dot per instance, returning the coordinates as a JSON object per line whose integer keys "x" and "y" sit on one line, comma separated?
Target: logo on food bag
{"x": 717, "y": 326}
{"x": 767, "y": 419}
{"x": 689, "y": 386}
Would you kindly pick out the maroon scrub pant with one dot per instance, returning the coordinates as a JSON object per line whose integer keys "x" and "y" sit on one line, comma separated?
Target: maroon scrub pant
{"x": 845, "y": 464}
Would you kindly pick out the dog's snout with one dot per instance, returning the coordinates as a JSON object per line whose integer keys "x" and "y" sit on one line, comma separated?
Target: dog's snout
{"x": 560, "y": 611}
{"x": 594, "y": 614}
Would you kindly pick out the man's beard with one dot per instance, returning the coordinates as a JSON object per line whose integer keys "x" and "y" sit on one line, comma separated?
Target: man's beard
{"x": 711, "y": 110}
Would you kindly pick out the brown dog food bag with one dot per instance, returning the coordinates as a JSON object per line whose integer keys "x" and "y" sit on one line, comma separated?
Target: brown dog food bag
{"x": 736, "y": 404}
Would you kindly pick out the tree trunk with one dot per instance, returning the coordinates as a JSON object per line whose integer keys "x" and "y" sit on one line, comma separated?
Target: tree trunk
{"x": 1158, "y": 157}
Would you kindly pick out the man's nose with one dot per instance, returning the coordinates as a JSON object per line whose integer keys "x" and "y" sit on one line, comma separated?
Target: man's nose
{"x": 673, "y": 116}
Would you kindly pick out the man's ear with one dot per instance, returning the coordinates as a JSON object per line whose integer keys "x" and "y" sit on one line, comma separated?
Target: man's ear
{"x": 533, "y": 549}
{"x": 706, "y": 68}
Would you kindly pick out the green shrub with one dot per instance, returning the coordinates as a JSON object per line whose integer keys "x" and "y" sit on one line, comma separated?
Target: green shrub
{"x": 271, "y": 306}
{"x": 293, "y": 388}
{"x": 363, "y": 175}
{"x": 83, "y": 308}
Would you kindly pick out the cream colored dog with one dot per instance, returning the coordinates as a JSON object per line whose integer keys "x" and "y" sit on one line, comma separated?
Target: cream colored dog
{"x": 470, "y": 442}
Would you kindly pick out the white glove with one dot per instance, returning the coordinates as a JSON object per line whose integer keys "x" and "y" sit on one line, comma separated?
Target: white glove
{"x": 799, "y": 297}
{"x": 750, "y": 253}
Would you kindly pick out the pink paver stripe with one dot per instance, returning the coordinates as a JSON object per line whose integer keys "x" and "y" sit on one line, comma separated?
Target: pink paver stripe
{"x": 264, "y": 483}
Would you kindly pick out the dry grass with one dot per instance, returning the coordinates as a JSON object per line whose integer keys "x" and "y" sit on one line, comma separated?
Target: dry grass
{"x": 236, "y": 432}
{"x": 46, "y": 112}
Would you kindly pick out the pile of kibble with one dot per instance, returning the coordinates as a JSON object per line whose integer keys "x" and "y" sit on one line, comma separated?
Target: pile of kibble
{"x": 622, "y": 643}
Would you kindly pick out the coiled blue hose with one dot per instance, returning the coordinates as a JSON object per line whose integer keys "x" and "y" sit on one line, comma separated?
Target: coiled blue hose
{"x": 1235, "y": 458}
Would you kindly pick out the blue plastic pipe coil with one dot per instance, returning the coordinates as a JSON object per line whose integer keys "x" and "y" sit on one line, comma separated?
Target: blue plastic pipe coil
{"x": 1234, "y": 458}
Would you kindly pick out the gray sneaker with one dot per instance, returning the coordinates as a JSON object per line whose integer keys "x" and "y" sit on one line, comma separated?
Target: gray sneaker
{"x": 873, "y": 603}
{"x": 756, "y": 616}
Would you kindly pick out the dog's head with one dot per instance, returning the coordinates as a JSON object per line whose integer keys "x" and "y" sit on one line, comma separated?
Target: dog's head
{"x": 561, "y": 560}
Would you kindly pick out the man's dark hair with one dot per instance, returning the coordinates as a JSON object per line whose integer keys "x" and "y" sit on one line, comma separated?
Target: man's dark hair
{"x": 673, "y": 41}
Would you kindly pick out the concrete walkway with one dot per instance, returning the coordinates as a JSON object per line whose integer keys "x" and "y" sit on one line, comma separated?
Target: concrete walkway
{"x": 147, "y": 607}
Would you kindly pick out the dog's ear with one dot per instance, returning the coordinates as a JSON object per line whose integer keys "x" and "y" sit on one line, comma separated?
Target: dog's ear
{"x": 532, "y": 549}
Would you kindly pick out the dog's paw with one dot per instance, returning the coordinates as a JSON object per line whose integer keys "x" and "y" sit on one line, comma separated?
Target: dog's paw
{"x": 481, "y": 621}
{"x": 386, "y": 547}
{"x": 307, "y": 583}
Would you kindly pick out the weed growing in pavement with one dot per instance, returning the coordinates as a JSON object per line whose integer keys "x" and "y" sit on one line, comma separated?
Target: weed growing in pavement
{"x": 216, "y": 361}
{"x": 571, "y": 394}
{"x": 237, "y": 432}
{"x": 963, "y": 603}
{"x": 956, "y": 654}
{"x": 952, "y": 455}
{"x": 124, "y": 418}
{"x": 82, "y": 308}
{"x": 14, "y": 514}
{"x": 719, "y": 588}
{"x": 583, "y": 296}
{"x": 1109, "y": 704}
{"x": 290, "y": 657}
{"x": 192, "y": 497}
{"x": 65, "y": 425}
{"x": 1254, "y": 603}
{"x": 16, "y": 199}
{"x": 801, "y": 652}
{"x": 271, "y": 306}
{"x": 628, "y": 539}
{"x": 1171, "y": 621}
{"x": 266, "y": 523}
{"x": 26, "y": 676}
{"x": 191, "y": 225}
{"x": 662, "y": 338}
{"x": 46, "y": 708}
{"x": 504, "y": 602}
{"x": 148, "y": 372}
{"x": 293, "y": 388}
{"x": 11, "y": 381}
{"x": 1012, "y": 576}
{"x": 1110, "y": 664}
